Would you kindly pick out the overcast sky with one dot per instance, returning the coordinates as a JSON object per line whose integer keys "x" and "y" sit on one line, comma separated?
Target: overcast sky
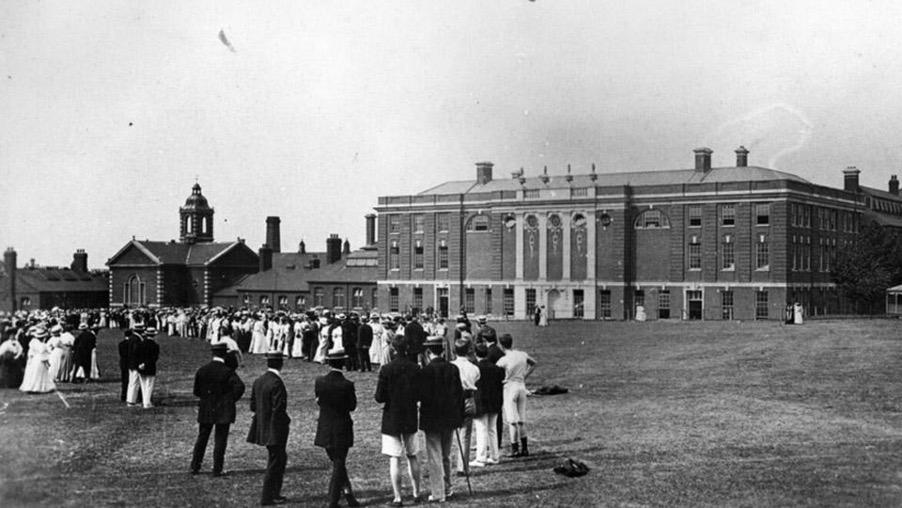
{"x": 110, "y": 110}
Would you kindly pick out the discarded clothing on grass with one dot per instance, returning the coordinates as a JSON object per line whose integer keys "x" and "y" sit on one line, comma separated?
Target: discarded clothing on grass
{"x": 572, "y": 468}
{"x": 550, "y": 390}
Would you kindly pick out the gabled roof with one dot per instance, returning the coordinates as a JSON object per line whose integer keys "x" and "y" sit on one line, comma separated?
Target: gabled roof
{"x": 196, "y": 254}
{"x": 632, "y": 178}
{"x": 59, "y": 280}
{"x": 348, "y": 270}
{"x": 288, "y": 273}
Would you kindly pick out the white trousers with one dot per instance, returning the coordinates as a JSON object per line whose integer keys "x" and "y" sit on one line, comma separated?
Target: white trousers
{"x": 145, "y": 383}
{"x": 486, "y": 427}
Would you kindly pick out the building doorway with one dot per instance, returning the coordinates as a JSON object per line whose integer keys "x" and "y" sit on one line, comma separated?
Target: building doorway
{"x": 442, "y": 297}
{"x": 554, "y": 297}
{"x": 695, "y": 304}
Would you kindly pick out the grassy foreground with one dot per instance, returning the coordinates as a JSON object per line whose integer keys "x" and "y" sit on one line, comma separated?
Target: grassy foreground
{"x": 665, "y": 414}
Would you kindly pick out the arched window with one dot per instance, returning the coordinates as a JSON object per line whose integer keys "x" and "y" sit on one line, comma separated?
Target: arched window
{"x": 652, "y": 219}
{"x": 478, "y": 223}
{"x": 134, "y": 291}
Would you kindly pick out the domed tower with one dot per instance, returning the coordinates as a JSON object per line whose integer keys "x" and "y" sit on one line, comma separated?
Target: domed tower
{"x": 196, "y": 218}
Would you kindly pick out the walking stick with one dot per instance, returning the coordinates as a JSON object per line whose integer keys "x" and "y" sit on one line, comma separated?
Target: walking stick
{"x": 464, "y": 460}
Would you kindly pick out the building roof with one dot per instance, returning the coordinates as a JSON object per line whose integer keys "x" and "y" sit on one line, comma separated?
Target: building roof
{"x": 895, "y": 289}
{"x": 288, "y": 273}
{"x": 633, "y": 178}
{"x": 358, "y": 267}
{"x": 59, "y": 280}
{"x": 191, "y": 254}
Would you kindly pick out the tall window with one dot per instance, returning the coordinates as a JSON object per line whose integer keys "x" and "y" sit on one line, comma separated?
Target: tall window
{"x": 729, "y": 258}
{"x": 418, "y": 298}
{"x": 728, "y": 215}
{"x": 762, "y": 257}
{"x": 338, "y": 297}
{"x": 442, "y": 255}
{"x": 470, "y": 300}
{"x": 283, "y": 301}
{"x": 419, "y": 223}
{"x": 807, "y": 251}
{"x": 318, "y": 296}
{"x": 418, "y": 255}
{"x": 695, "y": 216}
{"x": 508, "y": 302}
{"x": 478, "y": 223}
{"x": 640, "y": 298}
{"x": 394, "y": 223}
{"x": 760, "y": 304}
{"x": 794, "y": 249}
{"x": 695, "y": 254}
{"x": 443, "y": 221}
{"x": 393, "y": 300}
{"x": 488, "y": 300}
{"x": 578, "y": 306}
{"x": 762, "y": 214}
{"x": 300, "y": 302}
{"x": 394, "y": 256}
{"x": 357, "y": 297}
{"x": 664, "y": 304}
{"x": 604, "y": 303}
{"x": 530, "y": 302}
{"x": 264, "y": 300}
{"x": 375, "y": 297}
{"x": 726, "y": 303}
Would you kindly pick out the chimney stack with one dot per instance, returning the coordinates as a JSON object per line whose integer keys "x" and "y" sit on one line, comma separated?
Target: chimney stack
{"x": 483, "y": 172}
{"x": 80, "y": 261}
{"x": 894, "y": 185}
{"x": 371, "y": 229}
{"x": 265, "y": 254}
{"x": 272, "y": 234}
{"x": 850, "y": 179}
{"x": 703, "y": 158}
{"x": 742, "y": 157}
{"x": 302, "y": 247}
{"x": 9, "y": 259}
{"x": 346, "y": 248}
{"x": 333, "y": 249}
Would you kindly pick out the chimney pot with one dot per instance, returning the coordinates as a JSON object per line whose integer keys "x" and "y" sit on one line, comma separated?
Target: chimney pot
{"x": 850, "y": 179}
{"x": 703, "y": 158}
{"x": 894, "y": 185}
{"x": 371, "y": 229}
{"x": 483, "y": 172}
{"x": 9, "y": 259}
{"x": 302, "y": 247}
{"x": 333, "y": 248}
{"x": 79, "y": 261}
{"x": 273, "y": 237}
{"x": 742, "y": 157}
{"x": 265, "y": 254}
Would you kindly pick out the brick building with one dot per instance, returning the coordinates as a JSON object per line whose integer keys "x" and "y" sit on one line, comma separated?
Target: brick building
{"x": 187, "y": 272}
{"x": 43, "y": 287}
{"x": 736, "y": 242}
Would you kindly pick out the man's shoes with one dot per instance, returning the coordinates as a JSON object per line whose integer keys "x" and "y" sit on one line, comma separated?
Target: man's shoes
{"x": 515, "y": 451}
{"x": 524, "y": 447}
{"x": 396, "y": 502}
{"x": 476, "y": 463}
{"x": 491, "y": 461}
{"x": 281, "y": 499}
{"x": 435, "y": 500}
{"x": 352, "y": 501}
{"x": 219, "y": 474}
{"x": 275, "y": 501}
{"x": 195, "y": 471}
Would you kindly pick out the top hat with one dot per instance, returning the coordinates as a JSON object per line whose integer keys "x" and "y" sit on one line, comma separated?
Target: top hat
{"x": 219, "y": 347}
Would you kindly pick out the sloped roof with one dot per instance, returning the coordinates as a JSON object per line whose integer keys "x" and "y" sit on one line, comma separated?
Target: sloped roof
{"x": 288, "y": 273}
{"x": 881, "y": 194}
{"x": 179, "y": 253}
{"x": 346, "y": 271}
{"x": 632, "y": 178}
{"x": 59, "y": 280}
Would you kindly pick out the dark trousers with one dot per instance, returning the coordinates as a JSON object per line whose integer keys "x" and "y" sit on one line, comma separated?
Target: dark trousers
{"x": 275, "y": 471}
{"x": 351, "y": 362}
{"x": 124, "y": 381}
{"x": 307, "y": 348}
{"x": 339, "y": 481}
{"x": 363, "y": 359}
{"x": 220, "y": 440}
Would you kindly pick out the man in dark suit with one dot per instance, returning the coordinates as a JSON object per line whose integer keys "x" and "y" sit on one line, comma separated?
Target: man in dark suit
{"x": 364, "y": 342}
{"x": 399, "y": 417}
{"x": 334, "y": 428}
{"x": 124, "y": 348}
{"x": 489, "y": 399}
{"x": 269, "y": 426}
{"x": 441, "y": 397}
{"x": 82, "y": 351}
{"x": 349, "y": 340}
{"x": 147, "y": 352}
{"x": 416, "y": 338}
{"x": 218, "y": 387}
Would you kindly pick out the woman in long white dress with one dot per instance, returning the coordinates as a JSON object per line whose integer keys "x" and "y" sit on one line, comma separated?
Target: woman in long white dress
{"x": 37, "y": 377}
{"x": 325, "y": 338}
{"x": 54, "y": 345}
{"x": 385, "y": 350}
{"x": 259, "y": 342}
{"x": 376, "y": 347}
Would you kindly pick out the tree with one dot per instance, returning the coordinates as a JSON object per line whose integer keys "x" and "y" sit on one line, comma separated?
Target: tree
{"x": 866, "y": 267}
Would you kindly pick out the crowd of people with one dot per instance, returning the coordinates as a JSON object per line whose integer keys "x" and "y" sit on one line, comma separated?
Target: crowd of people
{"x": 439, "y": 386}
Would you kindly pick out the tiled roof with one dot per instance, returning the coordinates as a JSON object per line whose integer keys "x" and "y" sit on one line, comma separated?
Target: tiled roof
{"x": 180, "y": 253}
{"x": 340, "y": 272}
{"x": 59, "y": 280}
{"x": 288, "y": 273}
{"x": 634, "y": 178}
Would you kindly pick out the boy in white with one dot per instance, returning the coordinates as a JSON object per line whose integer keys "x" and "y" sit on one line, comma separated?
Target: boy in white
{"x": 517, "y": 367}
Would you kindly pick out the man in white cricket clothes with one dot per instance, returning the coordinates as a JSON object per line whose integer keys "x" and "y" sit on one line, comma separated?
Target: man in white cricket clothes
{"x": 517, "y": 367}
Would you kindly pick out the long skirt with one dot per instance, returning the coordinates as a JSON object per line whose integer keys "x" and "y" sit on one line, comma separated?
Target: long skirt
{"x": 37, "y": 377}
{"x": 259, "y": 343}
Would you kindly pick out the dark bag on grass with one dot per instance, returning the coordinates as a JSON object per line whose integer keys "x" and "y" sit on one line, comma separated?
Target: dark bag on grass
{"x": 572, "y": 468}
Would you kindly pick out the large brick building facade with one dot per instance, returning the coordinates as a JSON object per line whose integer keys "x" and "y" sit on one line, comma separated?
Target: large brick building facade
{"x": 736, "y": 242}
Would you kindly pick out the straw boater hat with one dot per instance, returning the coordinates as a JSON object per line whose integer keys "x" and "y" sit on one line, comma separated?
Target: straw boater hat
{"x": 40, "y": 333}
{"x": 56, "y": 329}
{"x": 336, "y": 354}
{"x": 434, "y": 340}
{"x": 83, "y": 326}
{"x": 139, "y": 327}
{"x": 481, "y": 319}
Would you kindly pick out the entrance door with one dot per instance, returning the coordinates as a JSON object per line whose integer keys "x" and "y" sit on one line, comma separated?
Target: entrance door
{"x": 443, "y": 302}
{"x": 553, "y": 296}
{"x": 695, "y": 304}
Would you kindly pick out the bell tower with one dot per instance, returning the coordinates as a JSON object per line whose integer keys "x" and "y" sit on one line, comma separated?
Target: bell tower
{"x": 196, "y": 218}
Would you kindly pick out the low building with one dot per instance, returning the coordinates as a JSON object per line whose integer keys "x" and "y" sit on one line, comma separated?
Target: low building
{"x": 43, "y": 287}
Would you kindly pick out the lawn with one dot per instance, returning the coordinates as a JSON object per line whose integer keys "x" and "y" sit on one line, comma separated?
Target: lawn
{"x": 665, "y": 414}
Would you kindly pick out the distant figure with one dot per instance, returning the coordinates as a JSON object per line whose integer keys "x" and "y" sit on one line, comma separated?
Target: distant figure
{"x": 789, "y": 314}
{"x": 543, "y": 316}
{"x": 11, "y": 363}
{"x": 640, "y": 313}
{"x": 125, "y": 345}
{"x": 798, "y": 311}
{"x": 269, "y": 426}
{"x": 37, "y": 378}
{"x": 83, "y": 353}
{"x": 537, "y": 315}
{"x": 517, "y": 367}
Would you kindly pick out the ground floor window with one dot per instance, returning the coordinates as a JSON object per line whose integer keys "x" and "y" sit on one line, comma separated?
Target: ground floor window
{"x": 357, "y": 297}
{"x": 469, "y": 300}
{"x": 300, "y": 302}
{"x": 264, "y": 300}
{"x": 726, "y": 304}
{"x": 761, "y": 305}
{"x": 283, "y": 301}
{"x": 393, "y": 299}
{"x": 664, "y": 304}
{"x": 488, "y": 301}
{"x": 318, "y": 294}
{"x": 605, "y": 303}
{"x": 417, "y": 298}
{"x": 338, "y": 297}
{"x": 509, "y": 302}
{"x": 530, "y": 302}
{"x": 578, "y": 308}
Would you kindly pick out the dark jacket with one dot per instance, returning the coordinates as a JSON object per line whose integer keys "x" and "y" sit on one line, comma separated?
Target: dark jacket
{"x": 396, "y": 390}
{"x": 147, "y": 353}
{"x": 348, "y": 334}
{"x": 81, "y": 350}
{"x": 495, "y": 353}
{"x": 441, "y": 396}
{"x": 336, "y": 398}
{"x": 486, "y": 334}
{"x": 131, "y": 351}
{"x": 416, "y": 336}
{"x": 218, "y": 388}
{"x": 364, "y": 336}
{"x": 124, "y": 347}
{"x": 489, "y": 388}
{"x": 269, "y": 403}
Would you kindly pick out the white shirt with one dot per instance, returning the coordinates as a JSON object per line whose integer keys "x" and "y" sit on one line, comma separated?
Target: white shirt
{"x": 469, "y": 373}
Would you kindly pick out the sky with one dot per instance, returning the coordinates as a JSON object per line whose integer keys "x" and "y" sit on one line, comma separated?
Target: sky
{"x": 110, "y": 111}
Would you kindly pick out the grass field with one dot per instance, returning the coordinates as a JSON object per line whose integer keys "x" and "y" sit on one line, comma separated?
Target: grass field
{"x": 665, "y": 414}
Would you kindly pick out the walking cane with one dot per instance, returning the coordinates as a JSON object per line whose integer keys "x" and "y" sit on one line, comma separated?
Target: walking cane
{"x": 464, "y": 460}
